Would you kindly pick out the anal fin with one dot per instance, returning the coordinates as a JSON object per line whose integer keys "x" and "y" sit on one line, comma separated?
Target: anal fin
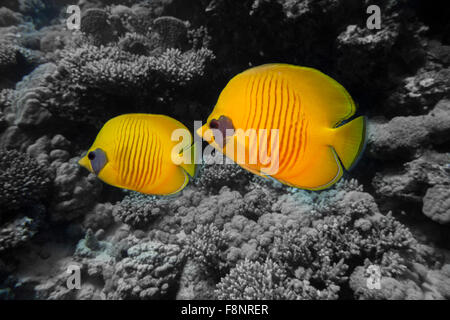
{"x": 320, "y": 174}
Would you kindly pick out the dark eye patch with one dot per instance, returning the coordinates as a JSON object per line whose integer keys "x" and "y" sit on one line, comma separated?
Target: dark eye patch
{"x": 214, "y": 124}
{"x": 226, "y": 128}
{"x": 98, "y": 160}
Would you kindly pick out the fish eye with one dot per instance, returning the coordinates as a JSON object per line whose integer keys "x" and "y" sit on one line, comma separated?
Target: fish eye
{"x": 98, "y": 160}
{"x": 214, "y": 124}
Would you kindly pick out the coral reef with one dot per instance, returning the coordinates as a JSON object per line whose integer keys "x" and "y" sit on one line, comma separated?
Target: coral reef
{"x": 22, "y": 180}
{"x": 17, "y": 232}
{"x": 229, "y": 234}
{"x": 149, "y": 272}
{"x": 74, "y": 193}
{"x": 139, "y": 210}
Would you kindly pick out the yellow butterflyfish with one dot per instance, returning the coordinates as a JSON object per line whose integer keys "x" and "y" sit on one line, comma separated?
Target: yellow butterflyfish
{"x": 134, "y": 151}
{"x": 295, "y": 114}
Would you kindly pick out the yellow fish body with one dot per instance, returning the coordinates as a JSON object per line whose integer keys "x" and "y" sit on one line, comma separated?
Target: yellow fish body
{"x": 134, "y": 151}
{"x": 305, "y": 107}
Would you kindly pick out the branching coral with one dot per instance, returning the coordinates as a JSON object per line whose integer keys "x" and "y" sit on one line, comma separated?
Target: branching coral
{"x": 207, "y": 246}
{"x": 88, "y": 72}
{"x": 318, "y": 254}
{"x": 252, "y": 280}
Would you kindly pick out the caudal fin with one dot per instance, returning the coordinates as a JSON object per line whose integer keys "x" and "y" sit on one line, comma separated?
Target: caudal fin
{"x": 349, "y": 141}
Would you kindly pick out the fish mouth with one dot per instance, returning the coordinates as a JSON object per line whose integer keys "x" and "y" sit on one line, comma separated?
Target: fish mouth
{"x": 84, "y": 162}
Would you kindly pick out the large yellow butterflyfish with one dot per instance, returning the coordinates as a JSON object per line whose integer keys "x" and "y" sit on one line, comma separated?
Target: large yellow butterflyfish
{"x": 288, "y": 121}
{"x": 135, "y": 152}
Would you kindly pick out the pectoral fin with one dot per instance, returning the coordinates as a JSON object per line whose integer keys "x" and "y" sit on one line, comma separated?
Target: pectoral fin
{"x": 190, "y": 160}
